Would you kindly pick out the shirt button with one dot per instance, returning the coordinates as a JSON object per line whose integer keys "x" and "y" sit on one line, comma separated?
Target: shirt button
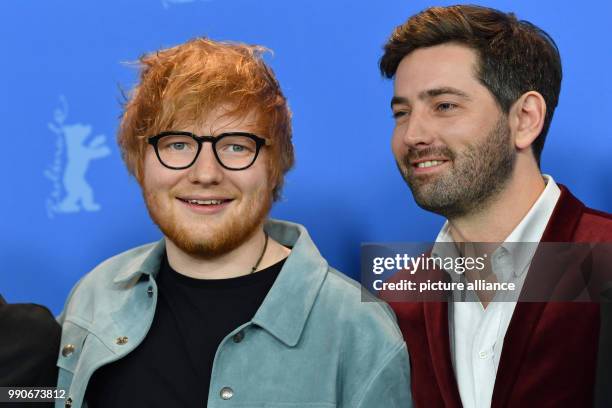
{"x": 150, "y": 291}
{"x": 482, "y": 354}
{"x": 238, "y": 337}
{"x": 67, "y": 350}
{"x": 121, "y": 340}
{"x": 227, "y": 393}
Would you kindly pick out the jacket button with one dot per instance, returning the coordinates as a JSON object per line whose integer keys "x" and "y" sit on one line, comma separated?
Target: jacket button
{"x": 68, "y": 403}
{"x": 150, "y": 291}
{"x": 227, "y": 393}
{"x": 238, "y": 337}
{"x": 121, "y": 340}
{"x": 67, "y": 350}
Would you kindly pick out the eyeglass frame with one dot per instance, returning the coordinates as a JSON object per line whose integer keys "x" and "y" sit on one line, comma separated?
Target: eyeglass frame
{"x": 259, "y": 143}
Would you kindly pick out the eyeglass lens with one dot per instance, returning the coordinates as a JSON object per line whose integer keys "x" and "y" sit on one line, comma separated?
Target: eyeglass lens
{"x": 234, "y": 152}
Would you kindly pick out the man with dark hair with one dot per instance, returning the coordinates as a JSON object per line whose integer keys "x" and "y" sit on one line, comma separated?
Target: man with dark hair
{"x": 474, "y": 94}
{"x": 229, "y": 309}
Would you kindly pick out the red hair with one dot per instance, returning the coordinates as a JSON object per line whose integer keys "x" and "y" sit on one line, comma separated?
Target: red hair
{"x": 180, "y": 85}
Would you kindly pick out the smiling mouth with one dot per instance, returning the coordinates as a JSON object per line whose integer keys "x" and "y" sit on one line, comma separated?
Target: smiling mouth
{"x": 431, "y": 163}
{"x": 205, "y": 202}
{"x": 428, "y": 164}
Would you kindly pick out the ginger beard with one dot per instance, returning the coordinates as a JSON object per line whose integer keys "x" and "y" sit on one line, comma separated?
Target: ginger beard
{"x": 477, "y": 174}
{"x": 207, "y": 238}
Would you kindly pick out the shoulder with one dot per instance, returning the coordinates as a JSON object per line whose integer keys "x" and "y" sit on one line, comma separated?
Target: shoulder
{"x": 577, "y": 222}
{"x": 597, "y": 217}
{"x": 102, "y": 281}
{"x": 594, "y": 226}
{"x": 340, "y": 302}
{"x": 28, "y": 319}
{"x": 28, "y": 345}
{"x": 118, "y": 265}
{"x": 357, "y": 311}
{"x": 373, "y": 356}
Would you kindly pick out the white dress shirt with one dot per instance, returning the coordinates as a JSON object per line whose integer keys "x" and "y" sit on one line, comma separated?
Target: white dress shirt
{"x": 477, "y": 334}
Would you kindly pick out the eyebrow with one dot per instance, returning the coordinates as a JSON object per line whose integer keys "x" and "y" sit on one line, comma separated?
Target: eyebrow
{"x": 430, "y": 93}
{"x": 398, "y": 100}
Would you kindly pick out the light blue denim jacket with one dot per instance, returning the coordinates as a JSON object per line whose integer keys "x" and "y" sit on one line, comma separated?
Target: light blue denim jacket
{"x": 312, "y": 343}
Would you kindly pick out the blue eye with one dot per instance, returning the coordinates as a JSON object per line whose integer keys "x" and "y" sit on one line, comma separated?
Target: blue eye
{"x": 235, "y": 148}
{"x": 178, "y": 146}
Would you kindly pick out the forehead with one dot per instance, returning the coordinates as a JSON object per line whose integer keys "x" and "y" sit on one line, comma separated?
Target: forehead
{"x": 221, "y": 119}
{"x": 446, "y": 65}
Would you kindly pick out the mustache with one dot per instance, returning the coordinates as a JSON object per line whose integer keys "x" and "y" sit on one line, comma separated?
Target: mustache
{"x": 416, "y": 154}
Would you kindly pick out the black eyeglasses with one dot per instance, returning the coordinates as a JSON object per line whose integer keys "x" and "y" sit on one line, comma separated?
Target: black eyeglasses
{"x": 179, "y": 150}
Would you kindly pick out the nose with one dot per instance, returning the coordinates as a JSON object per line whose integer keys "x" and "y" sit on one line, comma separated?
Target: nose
{"x": 413, "y": 131}
{"x": 206, "y": 170}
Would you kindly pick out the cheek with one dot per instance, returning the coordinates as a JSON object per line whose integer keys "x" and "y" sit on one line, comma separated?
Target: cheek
{"x": 272, "y": 170}
{"x": 458, "y": 135}
{"x": 155, "y": 176}
{"x": 264, "y": 173}
{"x": 257, "y": 182}
{"x": 398, "y": 148}
{"x": 149, "y": 170}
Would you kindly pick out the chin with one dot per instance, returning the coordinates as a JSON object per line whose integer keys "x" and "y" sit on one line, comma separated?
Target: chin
{"x": 209, "y": 235}
{"x": 206, "y": 245}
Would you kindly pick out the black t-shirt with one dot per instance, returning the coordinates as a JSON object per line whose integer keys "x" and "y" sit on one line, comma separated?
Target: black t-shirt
{"x": 172, "y": 365}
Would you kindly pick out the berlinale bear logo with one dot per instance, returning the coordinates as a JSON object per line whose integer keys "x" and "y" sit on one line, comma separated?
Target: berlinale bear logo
{"x": 74, "y": 150}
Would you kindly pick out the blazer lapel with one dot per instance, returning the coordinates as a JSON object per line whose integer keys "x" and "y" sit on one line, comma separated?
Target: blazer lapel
{"x": 436, "y": 323}
{"x": 526, "y": 316}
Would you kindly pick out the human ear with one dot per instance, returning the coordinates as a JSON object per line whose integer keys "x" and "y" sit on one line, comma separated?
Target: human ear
{"x": 527, "y": 118}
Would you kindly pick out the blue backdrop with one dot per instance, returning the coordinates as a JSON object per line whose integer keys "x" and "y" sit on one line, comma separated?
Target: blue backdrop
{"x": 68, "y": 202}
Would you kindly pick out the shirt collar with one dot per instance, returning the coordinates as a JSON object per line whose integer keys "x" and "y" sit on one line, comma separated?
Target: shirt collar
{"x": 521, "y": 243}
{"x": 529, "y": 230}
{"x": 287, "y": 306}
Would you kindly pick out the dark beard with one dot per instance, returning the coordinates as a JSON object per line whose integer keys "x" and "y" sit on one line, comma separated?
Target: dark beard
{"x": 477, "y": 175}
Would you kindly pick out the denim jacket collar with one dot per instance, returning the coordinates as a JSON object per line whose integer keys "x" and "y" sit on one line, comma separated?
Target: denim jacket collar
{"x": 285, "y": 309}
{"x": 146, "y": 263}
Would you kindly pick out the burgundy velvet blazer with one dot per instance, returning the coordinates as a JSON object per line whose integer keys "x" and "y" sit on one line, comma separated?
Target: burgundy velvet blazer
{"x": 549, "y": 355}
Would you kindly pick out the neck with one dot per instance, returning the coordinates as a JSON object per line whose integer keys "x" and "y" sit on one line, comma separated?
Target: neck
{"x": 237, "y": 262}
{"x": 503, "y": 212}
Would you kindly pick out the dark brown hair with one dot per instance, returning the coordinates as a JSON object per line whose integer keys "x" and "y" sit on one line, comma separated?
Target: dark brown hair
{"x": 514, "y": 55}
{"x": 179, "y": 85}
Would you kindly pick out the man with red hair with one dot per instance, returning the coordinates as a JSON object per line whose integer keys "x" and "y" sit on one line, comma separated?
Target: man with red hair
{"x": 228, "y": 308}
